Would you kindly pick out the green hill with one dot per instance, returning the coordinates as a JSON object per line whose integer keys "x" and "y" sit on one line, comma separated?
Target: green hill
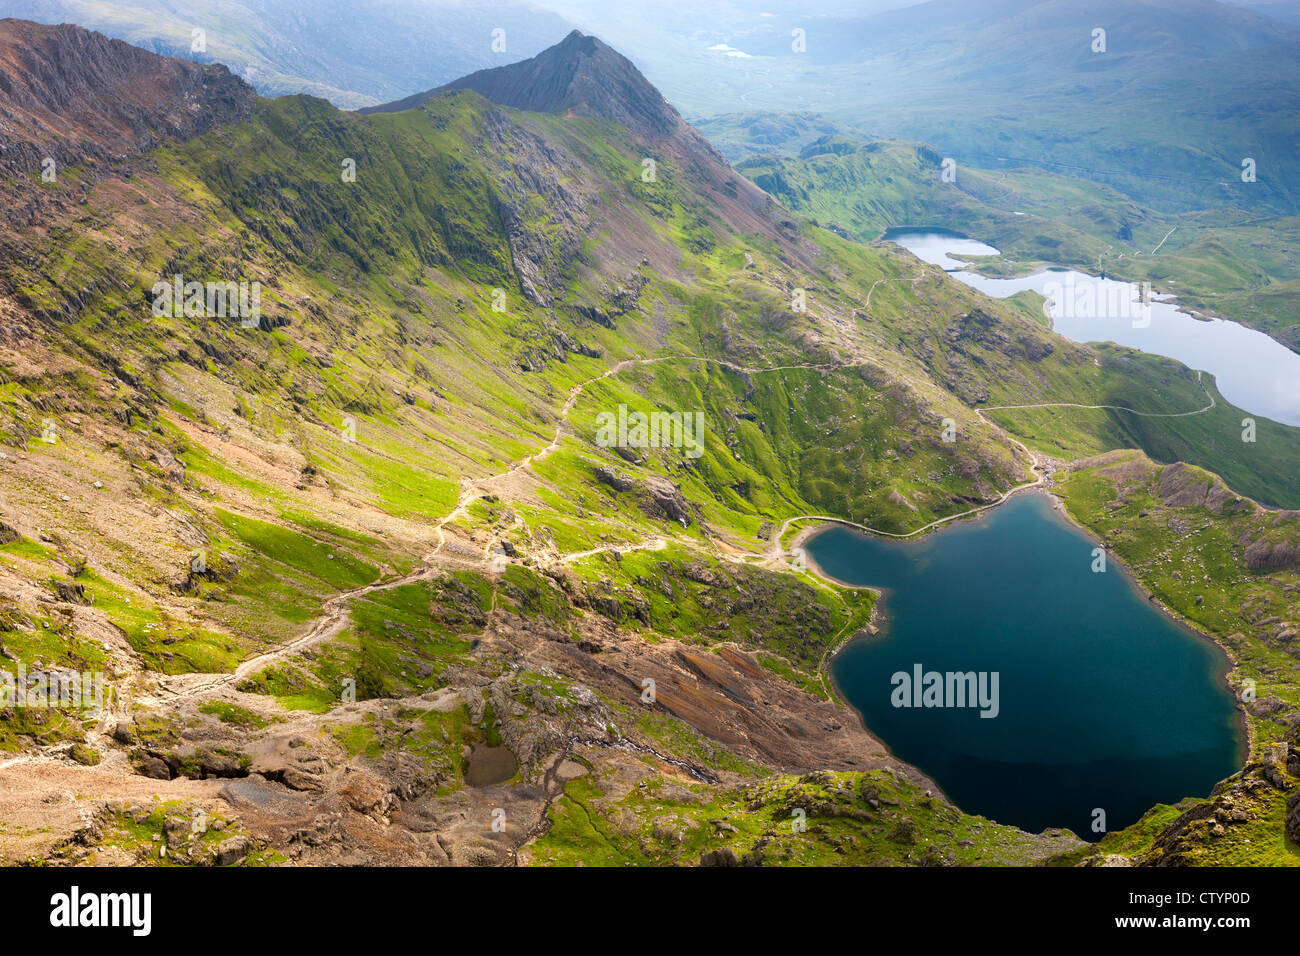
{"x": 365, "y": 549}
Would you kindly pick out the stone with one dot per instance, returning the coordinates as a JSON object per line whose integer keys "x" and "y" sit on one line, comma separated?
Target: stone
{"x": 723, "y": 857}
{"x": 71, "y": 592}
{"x": 153, "y": 768}
{"x": 233, "y": 850}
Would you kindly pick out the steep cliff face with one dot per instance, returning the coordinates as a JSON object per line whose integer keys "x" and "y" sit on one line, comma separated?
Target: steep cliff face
{"x": 70, "y": 97}
{"x": 580, "y": 74}
{"x": 77, "y": 95}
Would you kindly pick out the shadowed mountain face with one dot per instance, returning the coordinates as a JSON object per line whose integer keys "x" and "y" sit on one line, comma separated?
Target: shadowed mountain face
{"x": 70, "y": 98}
{"x": 580, "y": 74}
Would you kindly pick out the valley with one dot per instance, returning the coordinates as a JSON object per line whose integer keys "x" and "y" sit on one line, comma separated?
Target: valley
{"x": 371, "y": 583}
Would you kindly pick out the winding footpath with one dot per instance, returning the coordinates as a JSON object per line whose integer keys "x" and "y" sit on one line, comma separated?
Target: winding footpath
{"x": 334, "y": 613}
{"x": 334, "y": 616}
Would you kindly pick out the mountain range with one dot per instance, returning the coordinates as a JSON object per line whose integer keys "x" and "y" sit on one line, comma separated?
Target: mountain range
{"x": 1165, "y": 109}
{"x": 361, "y": 572}
{"x": 352, "y": 52}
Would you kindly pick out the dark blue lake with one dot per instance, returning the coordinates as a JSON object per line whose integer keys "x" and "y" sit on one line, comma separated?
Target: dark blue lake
{"x": 1102, "y": 700}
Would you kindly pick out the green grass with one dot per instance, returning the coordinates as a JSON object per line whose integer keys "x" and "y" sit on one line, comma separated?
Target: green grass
{"x": 329, "y": 564}
{"x": 1226, "y": 262}
{"x": 233, "y": 714}
{"x": 818, "y": 819}
{"x": 164, "y": 642}
{"x": 676, "y": 593}
{"x": 401, "y": 640}
{"x": 358, "y": 739}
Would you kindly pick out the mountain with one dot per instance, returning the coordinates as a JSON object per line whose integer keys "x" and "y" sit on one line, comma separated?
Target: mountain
{"x": 583, "y": 77}
{"x": 352, "y": 52}
{"x": 79, "y": 97}
{"x": 414, "y": 401}
{"x": 580, "y": 74}
{"x": 1005, "y": 84}
{"x": 1232, "y": 265}
{"x": 364, "y": 567}
{"x": 1009, "y": 83}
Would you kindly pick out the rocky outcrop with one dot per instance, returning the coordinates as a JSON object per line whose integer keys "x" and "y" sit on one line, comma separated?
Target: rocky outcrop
{"x": 78, "y": 98}
{"x": 1183, "y": 487}
{"x": 194, "y": 762}
{"x": 1277, "y": 554}
{"x": 668, "y": 499}
{"x": 657, "y": 496}
{"x": 172, "y": 468}
{"x": 725, "y": 856}
{"x": 615, "y": 479}
{"x": 558, "y": 345}
{"x": 70, "y": 592}
{"x": 1244, "y": 798}
{"x": 541, "y": 205}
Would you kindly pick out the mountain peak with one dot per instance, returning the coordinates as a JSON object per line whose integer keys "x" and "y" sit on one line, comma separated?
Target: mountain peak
{"x": 580, "y": 75}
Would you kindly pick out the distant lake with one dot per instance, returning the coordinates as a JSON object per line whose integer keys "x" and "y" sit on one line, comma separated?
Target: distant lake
{"x": 1103, "y": 701}
{"x": 1253, "y": 371}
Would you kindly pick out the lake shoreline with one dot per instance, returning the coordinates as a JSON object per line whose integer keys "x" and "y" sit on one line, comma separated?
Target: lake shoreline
{"x": 879, "y": 622}
{"x": 1246, "y": 727}
{"x": 1058, "y": 506}
{"x": 1024, "y": 269}
{"x": 1089, "y": 308}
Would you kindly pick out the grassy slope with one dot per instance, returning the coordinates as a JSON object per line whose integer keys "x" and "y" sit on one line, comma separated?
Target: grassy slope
{"x": 380, "y": 294}
{"x": 378, "y": 299}
{"x": 1221, "y": 260}
{"x": 818, "y": 819}
{"x": 862, "y": 189}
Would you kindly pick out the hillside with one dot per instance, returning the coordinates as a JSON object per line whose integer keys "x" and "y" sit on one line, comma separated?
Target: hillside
{"x": 1225, "y": 262}
{"x": 359, "y": 566}
{"x": 1184, "y": 90}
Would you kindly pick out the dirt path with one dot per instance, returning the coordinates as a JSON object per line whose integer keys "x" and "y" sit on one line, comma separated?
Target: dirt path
{"x": 913, "y": 280}
{"x": 1163, "y": 241}
{"x": 333, "y": 619}
{"x": 117, "y": 776}
{"x": 775, "y": 552}
{"x": 334, "y": 614}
